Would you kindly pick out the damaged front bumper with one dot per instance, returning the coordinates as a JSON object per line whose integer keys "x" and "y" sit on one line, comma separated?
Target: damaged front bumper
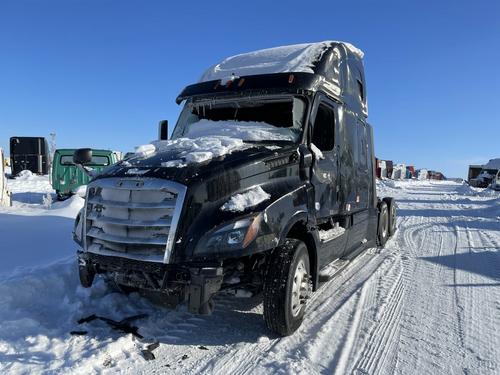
{"x": 192, "y": 283}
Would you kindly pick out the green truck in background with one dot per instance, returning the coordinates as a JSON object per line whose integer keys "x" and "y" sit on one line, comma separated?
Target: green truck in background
{"x": 67, "y": 177}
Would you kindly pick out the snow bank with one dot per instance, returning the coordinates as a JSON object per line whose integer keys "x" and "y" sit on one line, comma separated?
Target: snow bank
{"x": 28, "y": 188}
{"x": 250, "y": 198}
{"x": 245, "y": 130}
{"x": 193, "y": 150}
{"x": 25, "y": 175}
{"x": 293, "y": 58}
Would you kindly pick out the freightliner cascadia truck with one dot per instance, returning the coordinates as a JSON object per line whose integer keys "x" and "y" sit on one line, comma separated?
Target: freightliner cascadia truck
{"x": 268, "y": 177}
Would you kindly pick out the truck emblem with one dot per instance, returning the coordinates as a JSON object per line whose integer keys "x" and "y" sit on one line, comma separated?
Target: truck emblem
{"x": 137, "y": 171}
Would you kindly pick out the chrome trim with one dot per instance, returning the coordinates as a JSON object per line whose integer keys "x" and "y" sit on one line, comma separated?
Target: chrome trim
{"x": 100, "y": 235}
{"x": 131, "y": 223}
{"x": 111, "y": 253}
{"x": 138, "y": 184}
{"x": 131, "y": 205}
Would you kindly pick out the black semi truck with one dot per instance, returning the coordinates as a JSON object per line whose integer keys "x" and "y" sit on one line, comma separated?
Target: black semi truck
{"x": 268, "y": 178}
{"x": 29, "y": 153}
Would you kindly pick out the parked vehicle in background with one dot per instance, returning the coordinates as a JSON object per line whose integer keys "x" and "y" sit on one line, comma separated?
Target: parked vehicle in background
{"x": 5, "y": 197}
{"x": 29, "y": 153}
{"x": 381, "y": 170}
{"x": 268, "y": 178}
{"x": 435, "y": 175}
{"x": 474, "y": 171}
{"x": 410, "y": 172}
{"x": 422, "y": 174}
{"x": 389, "y": 167}
{"x": 488, "y": 172}
{"x": 399, "y": 172}
{"x": 67, "y": 177}
{"x": 495, "y": 184}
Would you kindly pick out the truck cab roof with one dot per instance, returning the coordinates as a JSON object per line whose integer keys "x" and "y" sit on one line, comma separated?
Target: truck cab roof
{"x": 70, "y": 151}
{"x": 335, "y": 68}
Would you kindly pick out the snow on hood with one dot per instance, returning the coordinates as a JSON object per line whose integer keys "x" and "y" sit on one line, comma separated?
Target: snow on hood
{"x": 244, "y": 130}
{"x": 293, "y": 58}
{"x": 208, "y": 139}
{"x": 189, "y": 150}
{"x": 250, "y": 198}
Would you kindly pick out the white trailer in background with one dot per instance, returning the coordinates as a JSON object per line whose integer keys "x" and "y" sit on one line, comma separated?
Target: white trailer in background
{"x": 383, "y": 168}
{"x": 399, "y": 172}
{"x": 5, "y": 199}
{"x": 423, "y": 174}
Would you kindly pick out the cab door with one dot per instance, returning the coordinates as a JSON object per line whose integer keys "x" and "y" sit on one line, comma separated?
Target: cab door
{"x": 358, "y": 234}
{"x": 325, "y": 170}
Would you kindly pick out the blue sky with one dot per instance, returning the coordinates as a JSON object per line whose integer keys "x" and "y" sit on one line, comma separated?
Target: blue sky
{"x": 102, "y": 73}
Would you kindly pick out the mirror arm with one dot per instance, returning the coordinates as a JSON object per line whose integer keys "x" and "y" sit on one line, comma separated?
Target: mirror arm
{"x": 87, "y": 170}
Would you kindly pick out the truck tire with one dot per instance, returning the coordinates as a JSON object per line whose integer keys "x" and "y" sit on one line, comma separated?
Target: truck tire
{"x": 383, "y": 224}
{"x": 391, "y": 209}
{"x": 287, "y": 286}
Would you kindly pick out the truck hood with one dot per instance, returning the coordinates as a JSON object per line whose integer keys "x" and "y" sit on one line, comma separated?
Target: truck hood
{"x": 187, "y": 168}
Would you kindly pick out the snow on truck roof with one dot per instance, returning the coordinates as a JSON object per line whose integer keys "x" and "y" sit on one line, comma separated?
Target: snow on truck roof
{"x": 294, "y": 58}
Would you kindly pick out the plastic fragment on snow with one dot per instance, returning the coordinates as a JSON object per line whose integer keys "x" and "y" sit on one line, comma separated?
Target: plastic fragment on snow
{"x": 122, "y": 325}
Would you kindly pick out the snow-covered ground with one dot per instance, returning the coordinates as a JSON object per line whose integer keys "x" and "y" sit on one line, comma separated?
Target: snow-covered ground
{"x": 429, "y": 303}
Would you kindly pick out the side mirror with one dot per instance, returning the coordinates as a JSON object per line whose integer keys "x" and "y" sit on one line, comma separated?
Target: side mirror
{"x": 163, "y": 130}
{"x": 82, "y": 156}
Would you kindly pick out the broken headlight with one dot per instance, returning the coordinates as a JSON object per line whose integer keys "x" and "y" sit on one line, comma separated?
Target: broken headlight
{"x": 233, "y": 236}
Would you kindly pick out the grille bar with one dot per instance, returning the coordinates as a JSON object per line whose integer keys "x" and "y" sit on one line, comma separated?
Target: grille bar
{"x": 96, "y": 233}
{"x": 130, "y": 223}
{"x": 132, "y": 218}
{"x": 109, "y": 203}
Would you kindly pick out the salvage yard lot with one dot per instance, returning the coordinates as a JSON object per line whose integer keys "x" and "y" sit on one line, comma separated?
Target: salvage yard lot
{"x": 428, "y": 303}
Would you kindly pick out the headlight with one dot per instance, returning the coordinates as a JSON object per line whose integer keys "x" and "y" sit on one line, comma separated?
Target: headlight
{"x": 233, "y": 236}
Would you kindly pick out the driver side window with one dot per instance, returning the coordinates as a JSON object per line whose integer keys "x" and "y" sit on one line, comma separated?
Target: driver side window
{"x": 324, "y": 128}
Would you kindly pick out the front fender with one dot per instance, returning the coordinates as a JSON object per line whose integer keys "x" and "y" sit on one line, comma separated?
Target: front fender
{"x": 78, "y": 229}
{"x": 285, "y": 212}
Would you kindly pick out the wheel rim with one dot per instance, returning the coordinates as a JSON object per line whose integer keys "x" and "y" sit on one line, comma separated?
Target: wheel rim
{"x": 383, "y": 220}
{"x": 300, "y": 288}
{"x": 393, "y": 218}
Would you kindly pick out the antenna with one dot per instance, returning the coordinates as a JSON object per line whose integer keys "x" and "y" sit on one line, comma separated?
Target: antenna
{"x": 52, "y": 146}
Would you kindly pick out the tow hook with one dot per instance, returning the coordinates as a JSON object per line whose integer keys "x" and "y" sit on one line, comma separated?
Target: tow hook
{"x": 205, "y": 282}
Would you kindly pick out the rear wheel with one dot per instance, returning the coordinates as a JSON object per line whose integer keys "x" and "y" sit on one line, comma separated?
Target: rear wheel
{"x": 383, "y": 224}
{"x": 391, "y": 209}
{"x": 287, "y": 286}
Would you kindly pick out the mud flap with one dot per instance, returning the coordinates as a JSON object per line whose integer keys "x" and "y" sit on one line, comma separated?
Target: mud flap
{"x": 86, "y": 273}
{"x": 205, "y": 282}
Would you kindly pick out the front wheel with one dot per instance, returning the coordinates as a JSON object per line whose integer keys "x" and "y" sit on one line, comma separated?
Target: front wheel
{"x": 287, "y": 286}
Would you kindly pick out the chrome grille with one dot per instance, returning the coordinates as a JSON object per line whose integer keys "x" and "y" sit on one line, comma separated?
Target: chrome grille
{"x": 133, "y": 218}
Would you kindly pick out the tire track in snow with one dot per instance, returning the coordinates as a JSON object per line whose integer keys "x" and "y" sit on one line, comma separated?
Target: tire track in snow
{"x": 385, "y": 332}
{"x": 322, "y": 309}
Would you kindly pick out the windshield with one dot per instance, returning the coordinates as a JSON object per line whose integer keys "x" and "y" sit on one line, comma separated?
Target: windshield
{"x": 99, "y": 161}
{"x": 488, "y": 171}
{"x": 252, "y": 120}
